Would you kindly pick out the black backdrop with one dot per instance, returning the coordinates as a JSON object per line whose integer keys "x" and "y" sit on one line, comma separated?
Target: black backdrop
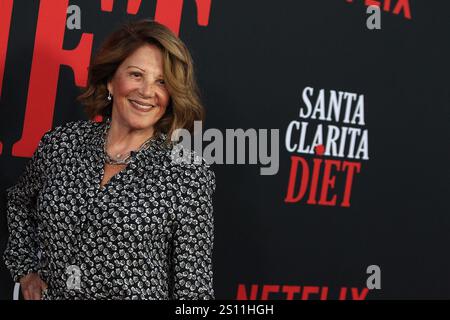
{"x": 253, "y": 61}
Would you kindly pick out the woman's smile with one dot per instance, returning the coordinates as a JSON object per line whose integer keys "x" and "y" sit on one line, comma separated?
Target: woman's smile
{"x": 140, "y": 106}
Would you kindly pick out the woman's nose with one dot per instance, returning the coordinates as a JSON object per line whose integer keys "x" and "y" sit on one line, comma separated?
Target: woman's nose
{"x": 147, "y": 90}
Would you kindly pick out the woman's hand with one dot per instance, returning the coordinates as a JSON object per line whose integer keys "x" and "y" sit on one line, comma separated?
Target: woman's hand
{"x": 32, "y": 286}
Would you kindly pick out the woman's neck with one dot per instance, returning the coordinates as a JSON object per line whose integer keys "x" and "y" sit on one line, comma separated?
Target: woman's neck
{"x": 123, "y": 139}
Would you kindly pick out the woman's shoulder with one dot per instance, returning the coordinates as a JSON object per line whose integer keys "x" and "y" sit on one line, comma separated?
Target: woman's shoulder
{"x": 73, "y": 130}
{"x": 74, "y": 127}
{"x": 70, "y": 135}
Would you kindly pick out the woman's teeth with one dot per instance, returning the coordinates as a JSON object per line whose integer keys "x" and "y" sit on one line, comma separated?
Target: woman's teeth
{"x": 140, "y": 106}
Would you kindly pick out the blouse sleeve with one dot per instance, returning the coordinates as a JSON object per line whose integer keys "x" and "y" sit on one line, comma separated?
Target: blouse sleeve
{"x": 21, "y": 253}
{"x": 192, "y": 272}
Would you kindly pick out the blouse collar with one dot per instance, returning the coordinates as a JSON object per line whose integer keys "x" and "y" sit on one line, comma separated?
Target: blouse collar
{"x": 157, "y": 148}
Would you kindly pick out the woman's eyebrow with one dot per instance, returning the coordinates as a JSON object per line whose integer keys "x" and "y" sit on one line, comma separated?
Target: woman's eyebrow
{"x": 136, "y": 67}
{"x": 159, "y": 76}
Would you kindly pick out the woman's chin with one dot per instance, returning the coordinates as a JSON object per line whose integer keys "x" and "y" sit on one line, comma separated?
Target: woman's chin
{"x": 141, "y": 125}
{"x": 136, "y": 120}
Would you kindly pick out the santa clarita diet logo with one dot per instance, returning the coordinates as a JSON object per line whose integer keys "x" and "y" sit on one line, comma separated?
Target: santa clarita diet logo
{"x": 331, "y": 124}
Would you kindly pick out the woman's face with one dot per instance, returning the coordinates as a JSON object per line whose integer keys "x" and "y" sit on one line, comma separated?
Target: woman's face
{"x": 140, "y": 96}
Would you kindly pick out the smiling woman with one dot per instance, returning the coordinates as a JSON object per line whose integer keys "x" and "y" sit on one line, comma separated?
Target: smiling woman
{"x": 142, "y": 88}
{"x": 140, "y": 98}
{"x": 142, "y": 60}
{"x": 105, "y": 199}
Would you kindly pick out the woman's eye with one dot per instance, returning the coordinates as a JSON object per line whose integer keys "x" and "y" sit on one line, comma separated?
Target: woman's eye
{"x": 161, "y": 81}
{"x": 135, "y": 74}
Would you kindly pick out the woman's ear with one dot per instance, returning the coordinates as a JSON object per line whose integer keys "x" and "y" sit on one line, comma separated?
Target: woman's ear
{"x": 109, "y": 87}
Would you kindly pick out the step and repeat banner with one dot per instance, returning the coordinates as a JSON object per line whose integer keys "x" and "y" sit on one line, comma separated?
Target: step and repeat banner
{"x": 329, "y": 120}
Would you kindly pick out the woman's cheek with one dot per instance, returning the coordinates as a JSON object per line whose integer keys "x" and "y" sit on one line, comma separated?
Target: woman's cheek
{"x": 161, "y": 112}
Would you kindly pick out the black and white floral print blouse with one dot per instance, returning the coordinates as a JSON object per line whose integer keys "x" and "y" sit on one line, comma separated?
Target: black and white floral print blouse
{"x": 146, "y": 234}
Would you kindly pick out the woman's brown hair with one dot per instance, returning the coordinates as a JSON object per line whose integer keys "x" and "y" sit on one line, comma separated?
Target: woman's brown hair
{"x": 185, "y": 106}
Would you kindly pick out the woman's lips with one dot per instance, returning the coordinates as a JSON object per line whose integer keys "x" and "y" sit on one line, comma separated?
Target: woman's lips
{"x": 140, "y": 107}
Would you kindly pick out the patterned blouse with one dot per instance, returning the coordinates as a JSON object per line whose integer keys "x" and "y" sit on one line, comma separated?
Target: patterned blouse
{"x": 146, "y": 234}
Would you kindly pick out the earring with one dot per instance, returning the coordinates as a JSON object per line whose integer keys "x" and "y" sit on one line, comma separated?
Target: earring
{"x": 109, "y": 96}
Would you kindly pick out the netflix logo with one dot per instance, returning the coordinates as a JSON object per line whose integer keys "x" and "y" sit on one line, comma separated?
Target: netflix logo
{"x": 397, "y": 7}
{"x": 296, "y": 292}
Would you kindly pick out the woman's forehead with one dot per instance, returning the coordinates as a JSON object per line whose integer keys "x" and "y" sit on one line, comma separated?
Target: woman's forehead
{"x": 145, "y": 57}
